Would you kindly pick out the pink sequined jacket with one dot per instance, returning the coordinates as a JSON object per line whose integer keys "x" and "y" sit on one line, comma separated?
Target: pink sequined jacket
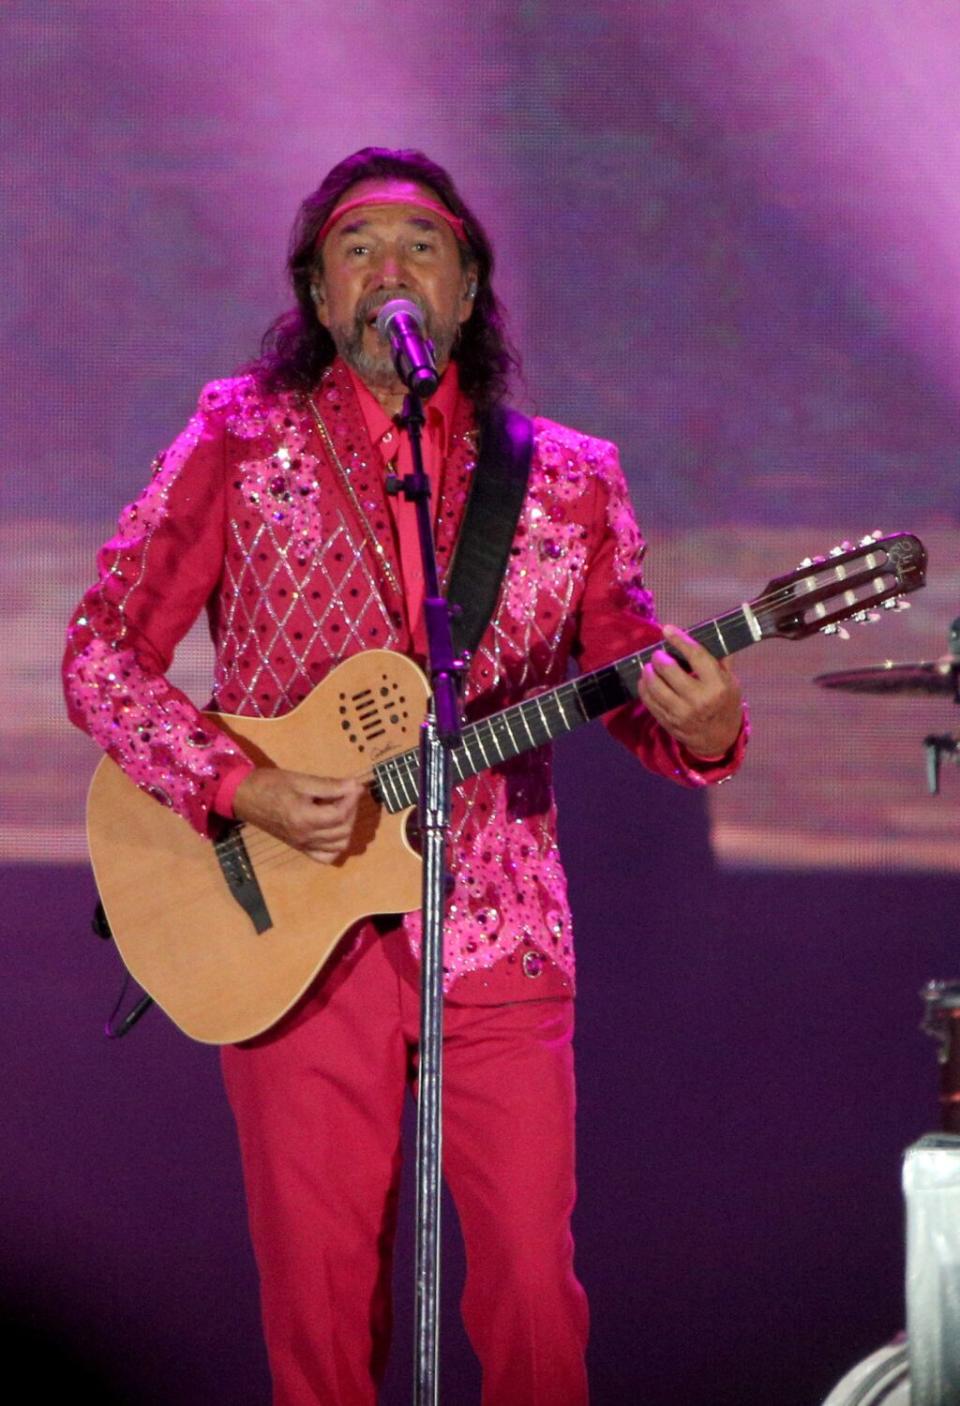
{"x": 269, "y": 512}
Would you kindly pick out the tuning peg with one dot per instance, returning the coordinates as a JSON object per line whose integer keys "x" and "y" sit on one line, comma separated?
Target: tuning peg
{"x": 807, "y": 561}
{"x": 896, "y": 603}
{"x": 836, "y": 551}
{"x": 865, "y": 617}
{"x": 870, "y": 538}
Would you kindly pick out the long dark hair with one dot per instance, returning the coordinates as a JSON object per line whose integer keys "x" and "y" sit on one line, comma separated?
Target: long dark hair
{"x": 296, "y": 347}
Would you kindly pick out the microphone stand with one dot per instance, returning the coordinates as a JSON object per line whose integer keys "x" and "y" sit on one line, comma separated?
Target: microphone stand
{"x": 439, "y": 735}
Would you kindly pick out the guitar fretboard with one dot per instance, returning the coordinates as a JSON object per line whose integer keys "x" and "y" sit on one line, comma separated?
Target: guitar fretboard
{"x": 538, "y": 720}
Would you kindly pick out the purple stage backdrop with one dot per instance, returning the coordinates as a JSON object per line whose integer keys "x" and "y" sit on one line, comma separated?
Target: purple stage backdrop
{"x": 727, "y": 236}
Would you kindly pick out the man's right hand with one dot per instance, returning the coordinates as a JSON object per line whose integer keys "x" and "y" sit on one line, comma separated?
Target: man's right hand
{"x": 314, "y": 814}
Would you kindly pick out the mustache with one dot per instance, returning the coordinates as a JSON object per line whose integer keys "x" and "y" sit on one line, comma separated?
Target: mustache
{"x": 369, "y": 306}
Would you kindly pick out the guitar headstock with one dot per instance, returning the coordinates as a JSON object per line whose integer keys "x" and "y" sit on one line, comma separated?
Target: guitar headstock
{"x": 847, "y": 584}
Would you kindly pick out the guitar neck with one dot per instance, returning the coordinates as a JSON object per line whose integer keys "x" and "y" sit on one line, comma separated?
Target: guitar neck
{"x": 538, "y": 720}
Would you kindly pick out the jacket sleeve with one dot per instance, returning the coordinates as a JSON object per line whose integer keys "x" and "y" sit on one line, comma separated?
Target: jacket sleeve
{"x": 154, "y": 578}
{"x": 617, "y": 618}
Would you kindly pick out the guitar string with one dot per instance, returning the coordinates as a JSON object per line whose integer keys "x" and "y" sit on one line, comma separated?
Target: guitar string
{"x": 263, "y": 848}
{"x": 565, "y": 693}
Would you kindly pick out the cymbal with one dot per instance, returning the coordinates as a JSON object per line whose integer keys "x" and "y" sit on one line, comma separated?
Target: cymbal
{"x": 930, "y": 676}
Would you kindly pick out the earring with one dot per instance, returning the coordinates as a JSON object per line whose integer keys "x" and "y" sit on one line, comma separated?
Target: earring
{"x": 472, "y": 288}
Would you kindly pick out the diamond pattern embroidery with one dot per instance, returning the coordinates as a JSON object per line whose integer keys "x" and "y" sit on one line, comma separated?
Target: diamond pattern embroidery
{"x": 290, "y": 618}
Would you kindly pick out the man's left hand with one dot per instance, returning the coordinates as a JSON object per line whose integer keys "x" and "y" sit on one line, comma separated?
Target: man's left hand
{"x": 702, "y": 709}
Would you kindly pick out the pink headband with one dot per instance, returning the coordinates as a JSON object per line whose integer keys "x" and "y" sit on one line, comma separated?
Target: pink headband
{"x": 433, "y": 206}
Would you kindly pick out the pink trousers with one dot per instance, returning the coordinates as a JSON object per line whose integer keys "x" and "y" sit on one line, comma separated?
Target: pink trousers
{"x": 318, "y": 1105}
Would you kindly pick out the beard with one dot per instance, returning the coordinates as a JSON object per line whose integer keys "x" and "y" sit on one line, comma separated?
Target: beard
{"x": 374, "y": 365}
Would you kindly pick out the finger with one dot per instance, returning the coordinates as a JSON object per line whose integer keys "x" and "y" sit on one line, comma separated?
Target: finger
{"x": 326, "y": 805}
{"x": 321, "y": 856}
{"x": 662, "y": 710}
{"x": 331, "y": 833}
{"x": 329, "y": 837}
{"x": 655, "y": 693}
{"x": 687, "y": 708}
{"x": 326, "y": 812}
{"x": 333, "y": 842}
{"x": 314, "y": 821}
{"x": 700, "y": 659}
{"x": 331, "y": 796}
{"x": 668, "y": 679}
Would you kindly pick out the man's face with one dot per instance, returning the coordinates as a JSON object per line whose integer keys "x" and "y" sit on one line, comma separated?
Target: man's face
{"x": 379, "y": 252}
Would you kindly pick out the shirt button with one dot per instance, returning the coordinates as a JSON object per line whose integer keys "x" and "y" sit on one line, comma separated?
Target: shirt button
{"x": 532, "y": 964}
{"x": 388, "y": 437}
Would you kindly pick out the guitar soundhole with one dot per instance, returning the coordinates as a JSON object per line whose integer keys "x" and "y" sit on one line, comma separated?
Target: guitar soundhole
{"x": 377, "y": 720}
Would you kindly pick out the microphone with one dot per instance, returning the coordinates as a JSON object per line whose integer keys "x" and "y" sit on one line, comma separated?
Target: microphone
{"x": 402, "y": 324}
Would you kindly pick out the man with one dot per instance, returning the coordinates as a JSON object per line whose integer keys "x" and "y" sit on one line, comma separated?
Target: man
{"x": 270, "y": 512}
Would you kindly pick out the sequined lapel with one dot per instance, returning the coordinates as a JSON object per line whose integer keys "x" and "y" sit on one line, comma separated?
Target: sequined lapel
{"x": 457, "y": 478}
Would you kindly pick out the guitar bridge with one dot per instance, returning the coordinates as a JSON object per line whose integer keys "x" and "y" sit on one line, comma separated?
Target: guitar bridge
{"x": 235, "y": 865}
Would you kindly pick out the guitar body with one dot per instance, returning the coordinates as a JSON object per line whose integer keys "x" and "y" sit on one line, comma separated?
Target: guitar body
{"x": 179, "y": 929}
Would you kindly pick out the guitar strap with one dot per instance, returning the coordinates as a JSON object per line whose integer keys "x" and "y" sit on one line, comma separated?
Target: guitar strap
{"x": 492, "y": 512}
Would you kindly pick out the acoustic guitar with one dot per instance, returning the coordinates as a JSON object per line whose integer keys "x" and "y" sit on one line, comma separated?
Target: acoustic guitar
{"x": 226, "y": 935}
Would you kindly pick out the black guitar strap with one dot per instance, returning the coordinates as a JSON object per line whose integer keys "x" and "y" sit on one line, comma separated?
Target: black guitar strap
{"x": 490, "y": 520}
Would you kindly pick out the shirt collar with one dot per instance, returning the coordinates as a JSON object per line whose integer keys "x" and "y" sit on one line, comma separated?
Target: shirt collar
{"x": 440, "y": 410}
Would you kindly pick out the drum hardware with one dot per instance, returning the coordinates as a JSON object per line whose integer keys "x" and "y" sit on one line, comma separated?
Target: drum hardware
{"x": 938, "y": 676}
{"x": 882, "y": 1379}
{"x": 938, "y": 745}
{"x": 941, "y": 1020}
{"x": 924, "y": 1370}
